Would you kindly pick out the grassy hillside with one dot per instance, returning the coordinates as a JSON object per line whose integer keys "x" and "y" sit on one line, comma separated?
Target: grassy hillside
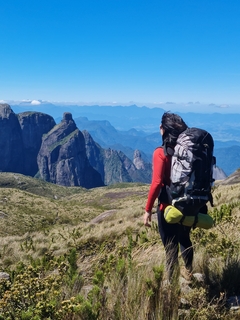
{"x": 74, "y": 253}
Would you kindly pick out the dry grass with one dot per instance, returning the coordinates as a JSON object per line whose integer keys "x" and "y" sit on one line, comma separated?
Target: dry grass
{"x": 58, "y": 223}
{"x": 101, "y": 223}
{"x": 32, "y": 224}
{"x": 226, "y": 194}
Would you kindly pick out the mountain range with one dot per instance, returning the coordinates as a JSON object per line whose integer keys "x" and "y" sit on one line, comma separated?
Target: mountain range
{"x": 89, "y": 153}
{"x": 127, "y": 128}
{"x": 226, "y": 152}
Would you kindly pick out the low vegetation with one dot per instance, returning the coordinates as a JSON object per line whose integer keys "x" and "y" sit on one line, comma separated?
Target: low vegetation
{"x": 77, "y": 254}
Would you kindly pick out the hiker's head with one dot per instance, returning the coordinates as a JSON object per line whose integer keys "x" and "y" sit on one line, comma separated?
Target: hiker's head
{"x": 171, "y": 126}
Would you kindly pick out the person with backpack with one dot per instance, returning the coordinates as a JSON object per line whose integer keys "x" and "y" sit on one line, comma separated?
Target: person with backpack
{"x": 172, "y": 125}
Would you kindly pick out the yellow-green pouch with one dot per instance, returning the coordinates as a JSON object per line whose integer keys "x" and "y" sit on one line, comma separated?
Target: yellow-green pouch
{"x": 172, "y": 214}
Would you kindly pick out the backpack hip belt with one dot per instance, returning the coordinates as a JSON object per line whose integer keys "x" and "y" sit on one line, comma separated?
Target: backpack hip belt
{"x": 190, "y": 199}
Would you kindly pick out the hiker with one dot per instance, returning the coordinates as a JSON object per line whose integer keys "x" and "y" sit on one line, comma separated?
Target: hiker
{"x": 171, "y": 234}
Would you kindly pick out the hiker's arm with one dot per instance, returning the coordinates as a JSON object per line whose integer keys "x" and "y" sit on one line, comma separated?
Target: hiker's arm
{"x": 158, "y": 173}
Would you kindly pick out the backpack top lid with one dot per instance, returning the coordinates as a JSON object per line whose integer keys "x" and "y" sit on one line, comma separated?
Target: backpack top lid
{"x": 192, "y": 163}
{"x": 197, "y": 138}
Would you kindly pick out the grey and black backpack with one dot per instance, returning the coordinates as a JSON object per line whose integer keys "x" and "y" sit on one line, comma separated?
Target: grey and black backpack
{"x": 192, "y": 166}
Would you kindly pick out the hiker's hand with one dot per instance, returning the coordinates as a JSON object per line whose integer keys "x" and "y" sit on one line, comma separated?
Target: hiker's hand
{"x": 147, "y": 218}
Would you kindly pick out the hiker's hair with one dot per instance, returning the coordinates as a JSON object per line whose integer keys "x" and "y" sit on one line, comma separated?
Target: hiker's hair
{"x": 173, "y": 125}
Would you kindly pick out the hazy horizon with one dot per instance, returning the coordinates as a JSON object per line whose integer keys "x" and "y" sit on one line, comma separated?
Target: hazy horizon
{"x": 195, "y": 107}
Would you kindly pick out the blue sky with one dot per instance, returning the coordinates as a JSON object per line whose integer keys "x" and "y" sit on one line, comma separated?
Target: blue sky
{"x": 121, "y": 51}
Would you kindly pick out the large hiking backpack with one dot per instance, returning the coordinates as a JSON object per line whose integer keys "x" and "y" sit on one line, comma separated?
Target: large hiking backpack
{"x": 192, "y": 165}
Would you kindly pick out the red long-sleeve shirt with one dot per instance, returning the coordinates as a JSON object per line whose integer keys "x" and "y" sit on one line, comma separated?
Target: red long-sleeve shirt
{"x": 160, "y": 177}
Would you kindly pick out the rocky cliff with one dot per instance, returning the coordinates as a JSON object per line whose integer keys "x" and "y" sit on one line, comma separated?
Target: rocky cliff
{"x": 11, "y": 143}
{"x": 62, "y": 157}
{"x": 114, "y": 166}
{"x": 33, "y": 126}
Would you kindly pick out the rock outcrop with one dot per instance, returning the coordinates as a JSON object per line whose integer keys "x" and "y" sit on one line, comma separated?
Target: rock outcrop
{"x": 218, "y": 173}
{"x": 95, "y": 154}
{"x": 62, "y": 157}
{"x": 137, "y": 160}
{"x": 11, "y": 144}
{"x": 33, "y": 126}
